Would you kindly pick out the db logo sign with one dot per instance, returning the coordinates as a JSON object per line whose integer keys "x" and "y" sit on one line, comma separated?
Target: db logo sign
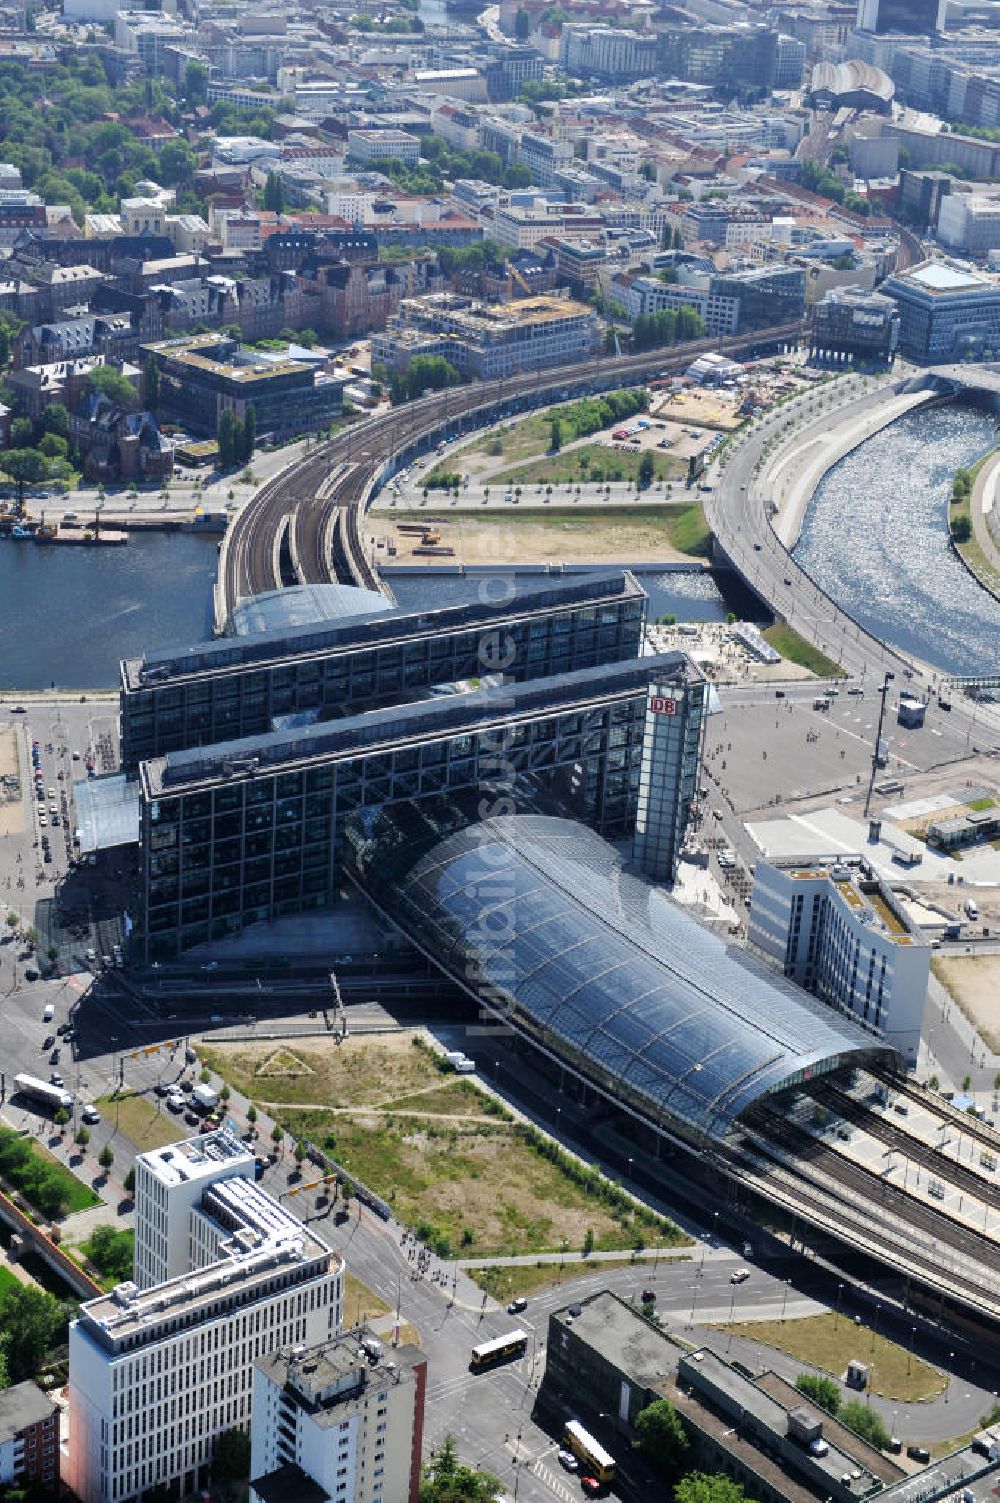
{"x": 661, "y": 706}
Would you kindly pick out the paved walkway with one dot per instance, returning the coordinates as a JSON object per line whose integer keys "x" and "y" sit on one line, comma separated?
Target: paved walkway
{"x": 982, "y": 503}
{"x": 532, "y": 1260}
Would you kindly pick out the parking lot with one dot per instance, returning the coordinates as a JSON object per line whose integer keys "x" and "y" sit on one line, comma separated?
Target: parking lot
{"x": 73, "y": 903}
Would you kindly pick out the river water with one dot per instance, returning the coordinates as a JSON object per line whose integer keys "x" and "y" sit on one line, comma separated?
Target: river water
{"x": 67, "y": 614}
{"x": 876, "y": 539}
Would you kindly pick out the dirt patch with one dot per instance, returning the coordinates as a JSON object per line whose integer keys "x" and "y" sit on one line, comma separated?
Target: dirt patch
{"x": 358, "y": 1072}
{"x": 585, "y": 537}
{"x": 973, "y": 982}
{"x": 11, "y": 796}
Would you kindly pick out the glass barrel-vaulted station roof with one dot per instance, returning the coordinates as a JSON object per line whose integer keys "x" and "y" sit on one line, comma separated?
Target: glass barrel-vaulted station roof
{"x": 610, "y": 975}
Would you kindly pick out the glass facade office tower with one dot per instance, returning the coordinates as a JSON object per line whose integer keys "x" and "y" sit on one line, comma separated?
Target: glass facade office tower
{"x": 239, "y": 686}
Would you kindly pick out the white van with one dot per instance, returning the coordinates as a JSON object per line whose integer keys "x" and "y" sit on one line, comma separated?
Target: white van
{"x": 49, "y": 1013}
{"x": 971, "y": 908}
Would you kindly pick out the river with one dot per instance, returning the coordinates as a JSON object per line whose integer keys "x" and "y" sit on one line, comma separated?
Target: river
{"x": 876, "y": 539}
{"x": 67, "y": 614}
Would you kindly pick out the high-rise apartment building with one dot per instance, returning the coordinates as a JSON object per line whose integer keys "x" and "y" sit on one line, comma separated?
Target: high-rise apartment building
{"x": 338, "y": 1423}
{"x": 157, "y": 1374}
{"x": 842, "y": 934}
{"x": 919, "y": 17}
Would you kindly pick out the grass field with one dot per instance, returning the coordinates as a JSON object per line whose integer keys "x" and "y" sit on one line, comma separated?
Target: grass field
{"x": 503, "y": 1283}
{"x": 78, "y": 1196}
{"x": 797, "y": 650}
{"x": 829, "y": 1344}
{"x": 7, "y": 1281}
{"x": 594, "y": 462}
{"x": 360, "y": 1302}
{"x": 470, "y": 1187}
{"x": 358, "y": 1073}
{"x": 441, "y": 1151}
{"x": 137, "y": 1118}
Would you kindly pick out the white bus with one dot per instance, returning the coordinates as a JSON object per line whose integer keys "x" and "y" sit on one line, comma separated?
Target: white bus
{"x": 41, "y": 1090}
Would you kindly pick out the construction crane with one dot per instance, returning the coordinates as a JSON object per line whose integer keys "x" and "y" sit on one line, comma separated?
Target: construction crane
{"x": 339, "y": 1026}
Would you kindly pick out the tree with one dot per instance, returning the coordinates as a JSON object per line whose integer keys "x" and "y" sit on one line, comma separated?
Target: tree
{"x": 55, "y": 419}
{"x": 113, "y": 385}
{"x": 26, "y": 467}
{"x": 231, "y": 1458}
{"x": 249, "y": 434}
{"x": 300, "y": 1152}
{"x": 864, "y": 1422}
{"x": 227, "y": 438}
{"x": 111, "y": 1251}
{"x": 823, "y": 1391}
{"x": 82, "y": 1137}
{"x": 128, "y": 1183}
{"x": 106, "y": 1157}
{"x": 195, "y": 82}
{"x": 555, "y": 435}
{"x": 274, "y": 193}
{"x": 961, "y": 531}
{"x": 277, "y": 1135}
{"x": 151, "y": 382}
{"x": 448, "y": 1480}
{"x": 708, "y": 1487}
{"x": 647, "y": 469}
{"x": 22, "y": 431}
{"x": 662, "y": 1439}
{"x": 517, "y": 175}
{"x": 29, "y": 1319}
{"x": 61, "y": 1117}
{"x": 176, "y": 163}
{"x": 53, "y": 447}
{"x": 252, "y": 1114}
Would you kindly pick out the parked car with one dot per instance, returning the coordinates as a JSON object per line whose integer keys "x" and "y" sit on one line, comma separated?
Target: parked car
{"x": 568, "y": 1461}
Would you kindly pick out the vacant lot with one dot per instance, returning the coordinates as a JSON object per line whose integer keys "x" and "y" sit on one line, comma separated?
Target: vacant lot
{"x": 140, "y": 1121}
{"x": 974, "y": 983}
{"x": 473, "y": 1186}
{"x": 444, "y": 1153}
{"x": 360, "y": 1302}
{"x": 825, "y": 1342}
{"x": 359, "y": 1072}
{"x": 663, "y": 533}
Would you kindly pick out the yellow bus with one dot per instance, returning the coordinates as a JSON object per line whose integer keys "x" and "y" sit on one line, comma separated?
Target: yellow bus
{"x": 589, "y": 1452}
{"x": 501, "y": 1349}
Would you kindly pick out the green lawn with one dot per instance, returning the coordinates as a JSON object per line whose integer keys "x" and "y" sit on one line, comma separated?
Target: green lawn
{"x": 78, "y": 1196}
{"x": 593, "y": 462}
{"x": 797, "y": 650}
{"x": 829, "y": 1343}
{"x": 7, "y": 1281}
{"x": 137, "y": 1118}
{"x": 979, "y": 804}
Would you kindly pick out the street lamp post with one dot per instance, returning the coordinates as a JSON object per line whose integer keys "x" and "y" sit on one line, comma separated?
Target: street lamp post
{"x": 836, "y": 1318}
{"x": 886, "y": 681}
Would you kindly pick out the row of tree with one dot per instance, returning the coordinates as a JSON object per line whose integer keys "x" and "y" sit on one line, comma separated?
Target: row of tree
{"x": 237, "y": 439}
{"x": 424, "y": 373}
{"x": 669, "y": 326}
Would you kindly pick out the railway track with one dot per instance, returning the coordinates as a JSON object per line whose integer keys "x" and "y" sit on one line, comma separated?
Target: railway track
{"x": 246, "y": 560}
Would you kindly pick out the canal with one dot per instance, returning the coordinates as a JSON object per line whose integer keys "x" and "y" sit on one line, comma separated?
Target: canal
{"x": 876, "y": 540}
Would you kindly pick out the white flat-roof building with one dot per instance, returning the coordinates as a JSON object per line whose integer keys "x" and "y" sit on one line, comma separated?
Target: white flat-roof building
{"x": 157, "y": 1373}
{"x": 839, "y": 931}
{"x": 339, "y": 1423}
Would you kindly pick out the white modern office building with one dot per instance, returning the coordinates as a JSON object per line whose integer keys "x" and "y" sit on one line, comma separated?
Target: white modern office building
{"x": 157, "y": 1373}
{"x": 338, "y": 1423}
{"x": 840, "y": 932}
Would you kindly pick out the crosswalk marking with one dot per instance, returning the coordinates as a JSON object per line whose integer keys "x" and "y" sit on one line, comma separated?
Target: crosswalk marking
{"x": 554, "y": 1483}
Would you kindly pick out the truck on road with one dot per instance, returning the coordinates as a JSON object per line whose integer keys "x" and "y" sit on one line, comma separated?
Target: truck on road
{"x": 204, "y": 1098}
{"x": 41, "y": 1090}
